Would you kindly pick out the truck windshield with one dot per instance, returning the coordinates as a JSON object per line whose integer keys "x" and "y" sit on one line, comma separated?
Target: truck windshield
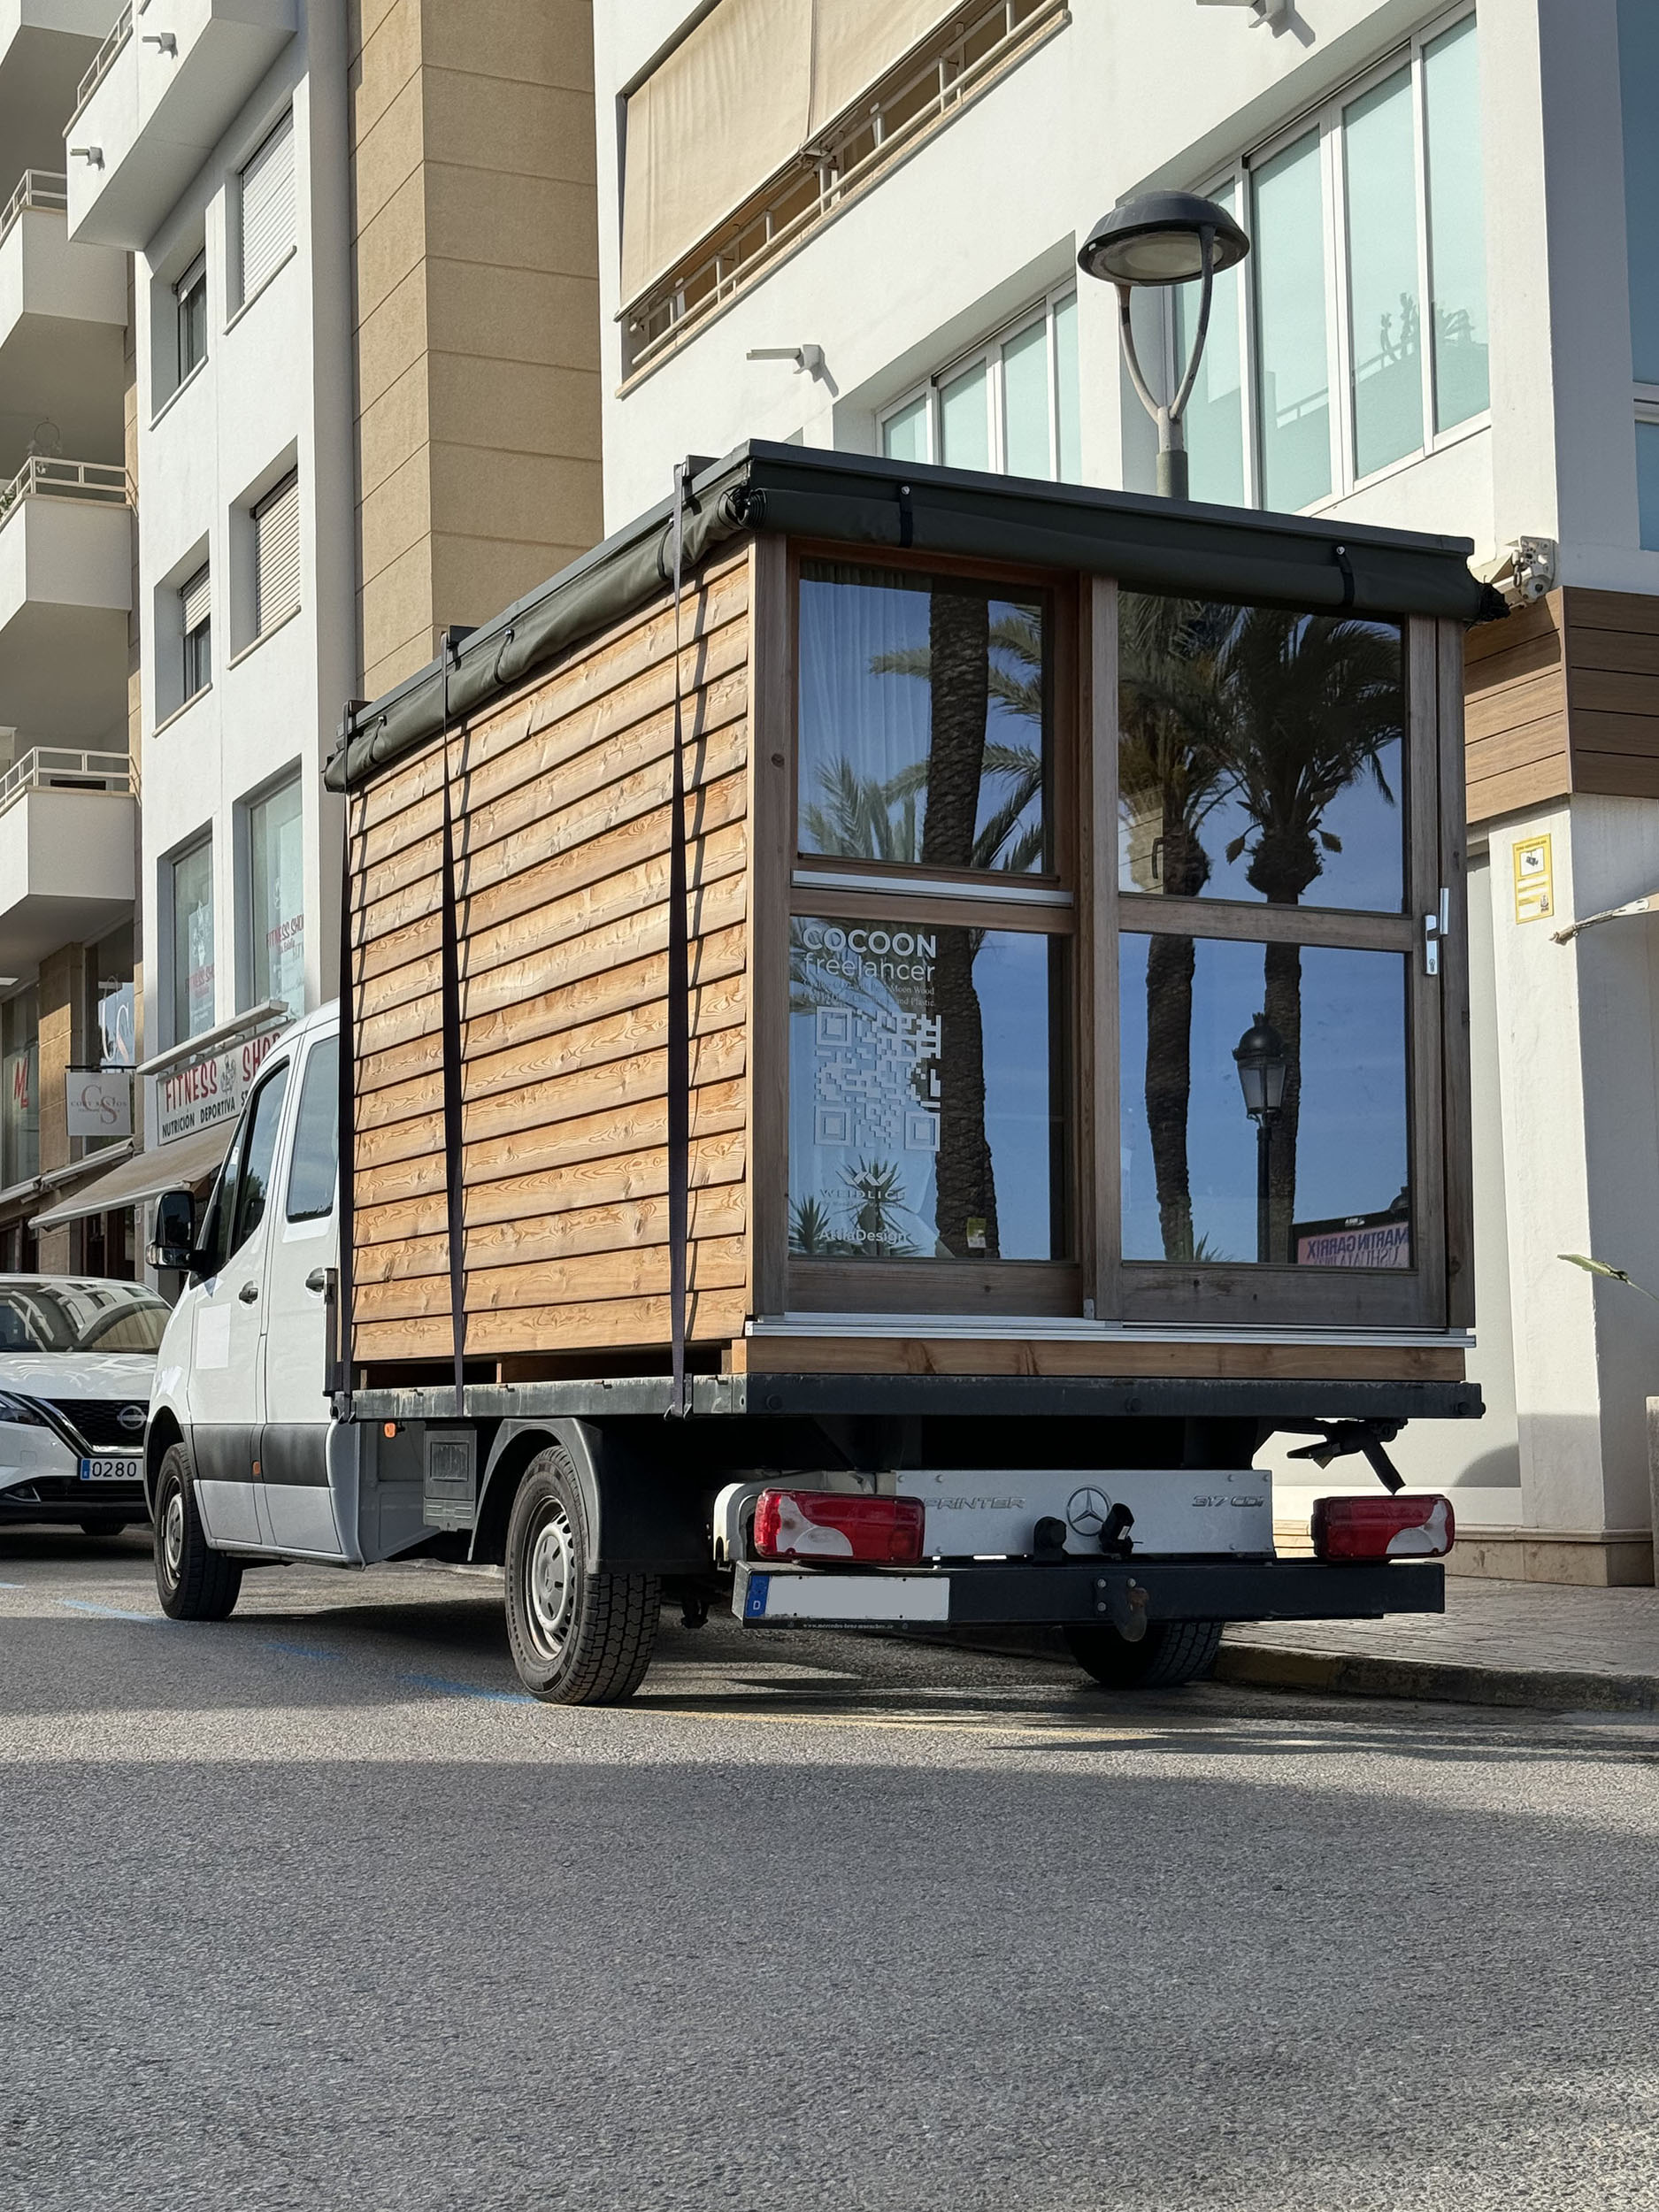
{"x": 79, "y": 1318}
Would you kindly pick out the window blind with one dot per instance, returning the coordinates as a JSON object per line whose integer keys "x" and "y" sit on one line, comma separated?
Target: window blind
{"x": 738, "y": 100}
{"x": 196, "y": 600}
{"x": 266, "y": 200}
{"x": 276, "y": 533}
{"x": 191, "y": 278}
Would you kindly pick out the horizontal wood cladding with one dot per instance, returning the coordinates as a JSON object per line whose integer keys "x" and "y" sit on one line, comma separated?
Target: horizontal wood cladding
{"x": 561, "y": 800}
{"x": 1111, "y": 1357}
{"x": 1563, "y": 697}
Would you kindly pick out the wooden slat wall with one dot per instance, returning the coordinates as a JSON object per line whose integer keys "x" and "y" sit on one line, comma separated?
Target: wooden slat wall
{"x": 1515, "y": 712}
{"x": 1613, "y": 692}
{"x": 1563, "y": 696}
{"x": 561, "y": 800}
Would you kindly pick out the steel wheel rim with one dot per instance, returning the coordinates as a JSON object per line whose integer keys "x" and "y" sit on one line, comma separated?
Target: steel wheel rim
{"x": 550, "y": 1581}
{"x": 173, "y": 1536}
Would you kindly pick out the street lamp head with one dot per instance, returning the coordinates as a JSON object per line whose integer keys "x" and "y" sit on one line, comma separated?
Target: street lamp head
{"x": 1262, "y": 1064}
{"x": 1159, "y": 239}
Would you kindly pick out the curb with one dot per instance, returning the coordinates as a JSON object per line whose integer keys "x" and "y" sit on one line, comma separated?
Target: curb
{"x": 1353, "y": 1674}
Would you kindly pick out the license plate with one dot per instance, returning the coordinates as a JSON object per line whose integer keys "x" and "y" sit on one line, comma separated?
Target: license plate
{"x": 114, "y": 1467}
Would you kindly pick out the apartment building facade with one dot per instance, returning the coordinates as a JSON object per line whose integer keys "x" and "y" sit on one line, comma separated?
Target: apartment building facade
{"x": 68, "y": 804}
{"x": 365, "y": 405}
{"x": 857, "y": 226}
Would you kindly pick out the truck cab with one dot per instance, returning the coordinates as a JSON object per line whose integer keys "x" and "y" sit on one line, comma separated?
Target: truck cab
{"x": 241, "y": 1385}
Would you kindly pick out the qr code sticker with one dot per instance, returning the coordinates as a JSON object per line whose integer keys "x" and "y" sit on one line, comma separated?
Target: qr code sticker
{"x": 878, "y": 1080}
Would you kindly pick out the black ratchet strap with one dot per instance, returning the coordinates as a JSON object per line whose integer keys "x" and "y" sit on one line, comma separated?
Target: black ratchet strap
{"x": 455, "y": 1203}
{"x": 340, "y": 1383}
{"x": 678, "y": 988}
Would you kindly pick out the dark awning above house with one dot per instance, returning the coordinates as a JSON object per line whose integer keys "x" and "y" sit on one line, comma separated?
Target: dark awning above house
{"x": 1146, "y": 543}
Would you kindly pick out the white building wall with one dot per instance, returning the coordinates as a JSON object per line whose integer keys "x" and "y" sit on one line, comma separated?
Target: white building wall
{"x": 981, "y": 220}
{"x": 274, "y": 392}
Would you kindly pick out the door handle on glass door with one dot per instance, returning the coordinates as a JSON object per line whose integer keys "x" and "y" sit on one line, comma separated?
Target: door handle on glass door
{"x": 318, "y": 1281}
{"x": 248, "y": 1292}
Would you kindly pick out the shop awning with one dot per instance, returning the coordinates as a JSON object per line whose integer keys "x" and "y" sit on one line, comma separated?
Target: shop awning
{"x": 169, "y": 1167}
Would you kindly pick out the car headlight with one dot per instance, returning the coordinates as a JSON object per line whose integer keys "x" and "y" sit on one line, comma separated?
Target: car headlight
{"x": 20, "y": 1412}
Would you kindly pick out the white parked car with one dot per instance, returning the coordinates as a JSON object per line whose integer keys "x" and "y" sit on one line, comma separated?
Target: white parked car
{"x": 77, "y": 1357}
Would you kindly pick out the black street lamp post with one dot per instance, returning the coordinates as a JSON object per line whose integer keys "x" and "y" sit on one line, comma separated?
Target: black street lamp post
{"x": 1263, "y": 1065}
{"x": 1161, "y": 239}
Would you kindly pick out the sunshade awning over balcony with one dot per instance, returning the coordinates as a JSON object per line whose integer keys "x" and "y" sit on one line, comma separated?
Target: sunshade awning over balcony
{"x": 740, "y": 99}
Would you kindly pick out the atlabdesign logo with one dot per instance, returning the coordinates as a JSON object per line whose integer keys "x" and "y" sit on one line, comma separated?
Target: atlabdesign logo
{"x": 1086, "y": 1510}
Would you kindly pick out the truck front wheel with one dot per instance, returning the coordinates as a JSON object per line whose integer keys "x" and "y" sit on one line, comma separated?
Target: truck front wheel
{"x": 1170, "y": 1653}
{"x": 579, "y": 1636}
{"x": 193, "y": 1581}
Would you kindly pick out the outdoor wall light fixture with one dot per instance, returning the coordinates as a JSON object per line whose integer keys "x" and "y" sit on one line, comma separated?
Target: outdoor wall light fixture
{"x": 1161, "y": 239}
{"x": 1263, "y": 1065}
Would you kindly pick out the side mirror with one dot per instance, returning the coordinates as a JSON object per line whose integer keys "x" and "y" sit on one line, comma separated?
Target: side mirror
{"x": 174, "y": 1244}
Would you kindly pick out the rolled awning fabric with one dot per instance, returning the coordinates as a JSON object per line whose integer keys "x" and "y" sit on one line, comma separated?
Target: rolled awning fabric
{"x": 191, "y": 1160}
{"x": 739, "y": 99}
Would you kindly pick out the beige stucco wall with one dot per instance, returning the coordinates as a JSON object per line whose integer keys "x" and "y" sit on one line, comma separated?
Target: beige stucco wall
{"x": 476, "y": 302}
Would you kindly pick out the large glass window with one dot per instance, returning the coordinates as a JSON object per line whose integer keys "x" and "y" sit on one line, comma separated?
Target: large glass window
{"x": 276, "y": 857}
{"x": 1263, "y": 763}
{"x": 113, "y": 1010}
{"x": 1648, "y": 482}
{"x": 21, "y": 1100}
{"x": 1320, "y": 1178}
{"x": 1214, "y": 413}
{"x": 923, "y": 721}
{"x": 1366, "y": 279}
{"x": 929, "y": 1017}
{"x": 1012, "y": 408}
{"x": 1639, "y": 85}
{"x": 926, "y": 1104}
{"x": 193, "y": 993}
{"x": 1260, "y": 755}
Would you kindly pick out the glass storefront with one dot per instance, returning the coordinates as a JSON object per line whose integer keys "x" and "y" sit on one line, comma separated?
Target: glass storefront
{"x": 193, "y": 984}
{"x": 112, "y": 1026}
{"x": 20, "y": 1095}
{"x": 277, "y": 897}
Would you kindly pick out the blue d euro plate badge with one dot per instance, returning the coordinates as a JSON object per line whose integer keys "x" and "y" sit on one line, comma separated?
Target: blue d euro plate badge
{"x": 755, "y": 1597}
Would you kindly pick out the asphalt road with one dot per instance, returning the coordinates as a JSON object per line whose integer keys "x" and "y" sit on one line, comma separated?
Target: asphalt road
{"x": 313, "y": 1909}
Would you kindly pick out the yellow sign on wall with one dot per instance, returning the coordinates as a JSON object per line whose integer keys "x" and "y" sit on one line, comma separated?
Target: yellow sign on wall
{"x": 1534, "y": 881}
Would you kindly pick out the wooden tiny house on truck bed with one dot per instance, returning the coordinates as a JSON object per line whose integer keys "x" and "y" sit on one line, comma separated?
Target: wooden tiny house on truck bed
{"x": 1008, "y": 809}
{"x": 955, "y": 987}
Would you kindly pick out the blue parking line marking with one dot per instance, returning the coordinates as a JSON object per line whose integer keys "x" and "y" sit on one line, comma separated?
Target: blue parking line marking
{"x": 11, "y": 1586}
{"x": 106, "y": 1612}
{"x": 302, "y": 1651}
{"x": 467, "y": 1689}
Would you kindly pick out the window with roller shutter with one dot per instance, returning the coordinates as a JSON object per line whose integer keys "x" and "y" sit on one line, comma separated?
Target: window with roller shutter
{"x": 266, "y": 202}
{"x": 276, "y": 530}
{"x": 195, "y": 607}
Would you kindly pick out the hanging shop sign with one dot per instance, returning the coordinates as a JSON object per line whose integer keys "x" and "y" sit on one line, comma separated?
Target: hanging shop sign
{"x": 201, "y": 1093}
{"x": 99, "y": 1101}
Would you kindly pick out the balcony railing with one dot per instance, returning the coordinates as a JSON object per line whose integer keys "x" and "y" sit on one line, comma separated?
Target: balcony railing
{"x": 960, "y": 61}
{"x": 101, "y": 59}
{"x": 36, "y": 188}
{"x": 55, "y": 768}
{"x": 104, "y": 483}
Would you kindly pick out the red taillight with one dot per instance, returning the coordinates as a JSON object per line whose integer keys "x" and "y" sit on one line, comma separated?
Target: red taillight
{"x": 1404, "y": 1526}
{"x": 838, "y": 1524}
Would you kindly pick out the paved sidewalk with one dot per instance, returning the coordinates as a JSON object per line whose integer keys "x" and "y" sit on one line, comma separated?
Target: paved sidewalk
{"x": 1497, "y": 1643}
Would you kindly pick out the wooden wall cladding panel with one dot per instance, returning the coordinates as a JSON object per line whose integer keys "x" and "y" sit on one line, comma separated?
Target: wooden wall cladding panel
{"x": 1562, "y": 697}
{"x": 561, "y": 800}
{"x": 1515, "y": 712}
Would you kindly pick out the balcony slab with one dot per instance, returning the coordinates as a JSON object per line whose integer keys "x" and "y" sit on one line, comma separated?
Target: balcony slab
{"x": 152, "y": 117}
{"x": 63, "y": 319}
{"x": 66, "y": 592}
{"x": 45, "y": 48}
{"x": 67, "y": 871}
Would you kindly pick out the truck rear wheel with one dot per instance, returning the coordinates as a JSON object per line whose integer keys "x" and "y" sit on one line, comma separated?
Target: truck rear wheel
{"x": 579, "y": 1636}
{"x": 1170, "y": 1653}
{"x": 193, "y": 1581}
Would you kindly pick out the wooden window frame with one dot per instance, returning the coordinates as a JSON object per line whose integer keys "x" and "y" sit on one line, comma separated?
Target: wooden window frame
{"x": 1083, "y": 904}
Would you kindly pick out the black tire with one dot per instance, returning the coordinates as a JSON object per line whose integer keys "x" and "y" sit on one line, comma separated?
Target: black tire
{"x": 103, "y": 1528}
{"x": 1170, "y": 1653}
{"x": 194, "y": 1582}
{"x": 579, "y": 1636}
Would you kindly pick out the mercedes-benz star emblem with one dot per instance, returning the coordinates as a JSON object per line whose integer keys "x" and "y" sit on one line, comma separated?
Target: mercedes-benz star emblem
{"x": 131, "y": 1418}
{"x": 1086, "y": 1510}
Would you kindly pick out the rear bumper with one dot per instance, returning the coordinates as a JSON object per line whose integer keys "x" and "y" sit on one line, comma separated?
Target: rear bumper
{"x": 1066, "y": 1595}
